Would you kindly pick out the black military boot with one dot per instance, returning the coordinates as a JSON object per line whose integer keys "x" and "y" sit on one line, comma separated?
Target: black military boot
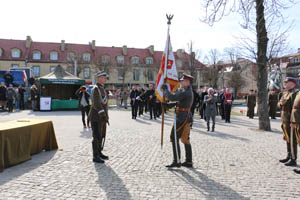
{"x": 188, "y": 155}
{"x": 288, "y": 157}
{"x": 213, "y": 128}
{"x": 174, "y": 164}
{"x": 102, "y": 156}
{"x": 292, "y": 163}
{"x": 297, "y": 171}
{"x": 96, "y": 157}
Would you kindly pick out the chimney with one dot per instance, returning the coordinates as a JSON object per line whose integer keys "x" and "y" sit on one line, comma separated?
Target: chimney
{"x": 93, "y": 45}
{"x": 124, "y": 50}
{"x": 180, "y": 53}
{"x": 62, "y": 45}
{"x": 28, "y": 42}
{"x": 151, "y": 49}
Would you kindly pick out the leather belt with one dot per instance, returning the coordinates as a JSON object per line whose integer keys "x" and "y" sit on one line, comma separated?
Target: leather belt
{"x": 296, "y": 107}
{"x": 182, "y": 109}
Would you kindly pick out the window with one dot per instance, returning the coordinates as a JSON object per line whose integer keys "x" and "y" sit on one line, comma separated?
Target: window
{"x": 70, "y": 69}
{"x": 15, "y": 53}
{"x": 120, "y": 59}
{"x": 36, "y": 71}
{"x": 105, "y": 59}
{"x": 86, "y": 72}
{"x": 150, "y": 76}
{"x": 179, "y": 63}
{"x": 15, "y": 65}
{"x": 180, "y": 74}
{"x": 53, "y": 55}
{"x": 36, "y": 55}
{"x": 86, "y": 57}
{"x": 136, "y": 75}
{"x": 52, "y": 68}
{"x": 71, "y": 56}
{"x": 135, "y": 60}
{"x": 149, "y": 61}
{"x": 120, "y": 75}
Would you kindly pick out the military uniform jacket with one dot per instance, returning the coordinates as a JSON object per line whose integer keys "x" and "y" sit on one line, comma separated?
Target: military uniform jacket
{"x": 287, "y": 108}
{"x": 185, "y": 100}
{"x": 99, "y": 108}
{"x": 295, "y": 117}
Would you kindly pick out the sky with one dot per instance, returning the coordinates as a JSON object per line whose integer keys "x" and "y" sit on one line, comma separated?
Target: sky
{"x": 135, "y": 23}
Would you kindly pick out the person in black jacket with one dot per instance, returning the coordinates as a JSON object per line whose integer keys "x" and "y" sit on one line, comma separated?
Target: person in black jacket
{"x": 84, "y": 104}
{"x": 34, "y": 97}
{"x": 21, "y": 92}
{"x": 2, "y": 96}
{"x": 151, "y": 99}
{"x": 195, "y": 103}
{"x": 133, "y": 102}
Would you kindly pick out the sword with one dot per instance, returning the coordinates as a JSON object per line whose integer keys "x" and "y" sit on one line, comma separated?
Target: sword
{"x": 175, "y": 137}
{"x": 292, "y": 143}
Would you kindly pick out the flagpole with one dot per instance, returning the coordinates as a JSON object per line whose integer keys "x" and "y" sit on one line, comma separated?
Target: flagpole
{"x": 169, "y": 17}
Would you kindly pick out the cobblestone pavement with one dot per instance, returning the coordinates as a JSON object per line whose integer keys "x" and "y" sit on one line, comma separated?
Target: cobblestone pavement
{"x": 235, "y": 162}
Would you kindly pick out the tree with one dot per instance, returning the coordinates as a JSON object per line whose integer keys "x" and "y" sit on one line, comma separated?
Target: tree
{"x": 213, "y": 58}
{"x": 193, "y": 56}
{"x": 236, "y": 81}
{"x": 253, "y": 12}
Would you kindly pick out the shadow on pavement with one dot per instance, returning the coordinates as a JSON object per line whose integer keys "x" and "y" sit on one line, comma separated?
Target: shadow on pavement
{"x": 111, "y": 183}
{"x": 208, "y": 187}
{"x": 86, "y": 133}
{"x": 18, "y": 170}
{"x": 223, "y": 135}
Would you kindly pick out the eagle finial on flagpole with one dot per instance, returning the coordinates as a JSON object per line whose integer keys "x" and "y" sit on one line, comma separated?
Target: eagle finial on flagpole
{"x": 169, "y": 17}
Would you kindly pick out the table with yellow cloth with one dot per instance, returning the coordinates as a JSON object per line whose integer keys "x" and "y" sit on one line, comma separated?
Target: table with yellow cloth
{"x": 19, "y": 139}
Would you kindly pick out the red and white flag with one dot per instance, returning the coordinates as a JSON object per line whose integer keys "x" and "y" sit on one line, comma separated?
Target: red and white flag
{"x": 167, "y": 73}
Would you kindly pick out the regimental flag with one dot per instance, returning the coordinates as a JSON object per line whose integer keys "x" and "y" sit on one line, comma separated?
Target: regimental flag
{"x": 170, "y": 70}
{"x": 24, "y": 77}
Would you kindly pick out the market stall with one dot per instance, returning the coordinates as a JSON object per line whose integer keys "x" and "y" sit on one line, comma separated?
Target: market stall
{"x": 58, "y": 89}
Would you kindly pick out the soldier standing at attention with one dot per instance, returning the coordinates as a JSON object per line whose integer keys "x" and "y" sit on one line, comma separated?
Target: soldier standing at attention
{"x": 295, "y": 122}
{"x": 273, "y": 101}
{"x": 251, "y": 103}
{"x": 184, "y": 119}
{"x": 98, "y": 117}
{"x": 286, "y": 104}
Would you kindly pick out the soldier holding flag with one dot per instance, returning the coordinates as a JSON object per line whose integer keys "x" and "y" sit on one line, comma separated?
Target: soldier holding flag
{"x": 181, "y": 128}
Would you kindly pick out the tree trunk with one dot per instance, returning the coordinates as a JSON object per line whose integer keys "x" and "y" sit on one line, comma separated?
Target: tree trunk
{"x": 261, "y": 61}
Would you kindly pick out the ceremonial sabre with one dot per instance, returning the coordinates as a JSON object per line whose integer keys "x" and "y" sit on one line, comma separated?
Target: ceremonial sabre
{"x": 292, "y": 143}
{"x": 175, "y": 138}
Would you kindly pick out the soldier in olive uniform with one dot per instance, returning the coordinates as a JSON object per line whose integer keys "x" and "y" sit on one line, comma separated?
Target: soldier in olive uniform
{"x": 273, "y": 101}
{"x": 295, "y": 123}
{"x": 251, "y": 103}
{"x": 184, "y": 118}
{"x": 286, "y": 104}
{"x": 98, "y": 117}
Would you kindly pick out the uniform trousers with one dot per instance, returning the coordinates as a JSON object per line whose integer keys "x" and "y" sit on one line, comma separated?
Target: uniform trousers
{"x": 99, "y": 133}
{"x": 287, "y": 136}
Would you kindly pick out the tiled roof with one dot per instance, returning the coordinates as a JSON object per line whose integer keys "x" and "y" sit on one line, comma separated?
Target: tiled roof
{"x": 78, "y": 49}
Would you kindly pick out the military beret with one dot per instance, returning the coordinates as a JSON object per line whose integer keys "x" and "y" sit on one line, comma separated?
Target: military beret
{"x": 102, "y": 73}
{"x": 290, "y": 79}
{"x": 186, "y": 77}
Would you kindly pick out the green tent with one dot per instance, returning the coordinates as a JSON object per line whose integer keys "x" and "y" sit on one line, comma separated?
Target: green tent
{"x": 61, "y": 87}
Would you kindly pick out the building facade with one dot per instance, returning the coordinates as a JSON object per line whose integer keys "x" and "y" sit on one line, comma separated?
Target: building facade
{"x": 125, "y": 66}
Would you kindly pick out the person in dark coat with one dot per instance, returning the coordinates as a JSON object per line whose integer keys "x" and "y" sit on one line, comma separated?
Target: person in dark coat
{"x": 133, "y": 102}
{"x": 221, "y": 103}
{"x": 195, "y": 104}
{"x": 184, "y": 118}
{"x": 21, "y": 92}
{"x": 150, "y": 98}
{"x": 211, "y": 110}
{"x": 34, "y": 97}
{"x": 2, "y": 95}
{"x": 251, "y": 103}
{"x": 203, "y": 105}
{"x": 10, "y": 96}
{"x": 273, "y": 101}
{"x": 83, "y": 104}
